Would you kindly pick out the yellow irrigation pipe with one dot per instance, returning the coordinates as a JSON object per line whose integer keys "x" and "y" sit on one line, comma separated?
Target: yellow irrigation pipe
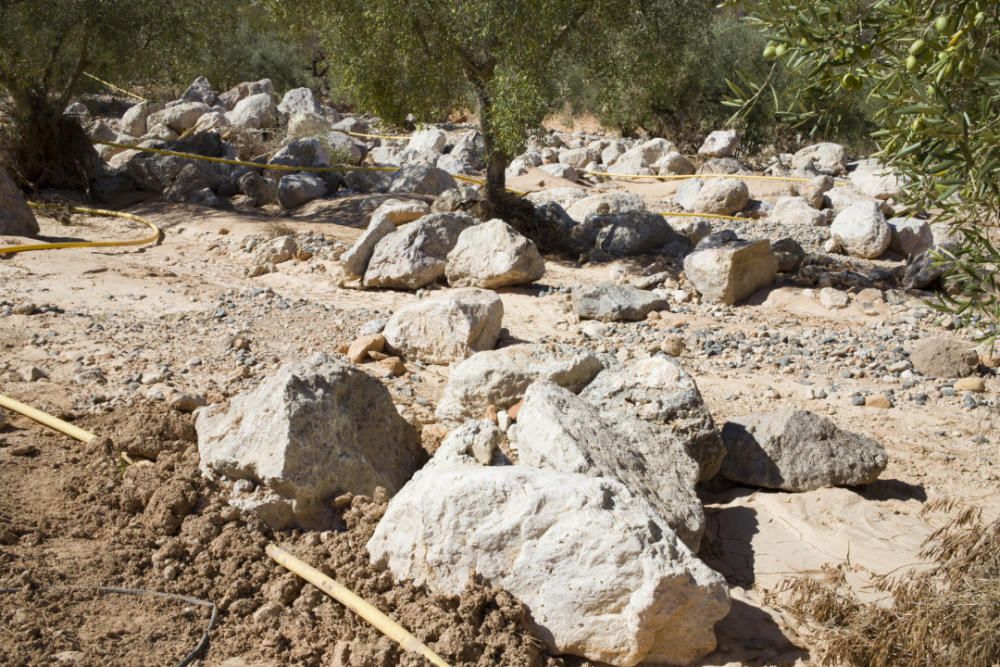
{"x": 46, "y": 419}
{"x": 114, "y": 87}
{"x": 390, "y": 137}
{"x": 717, "y": 216}
{"x": 156, "y": 237}
{"x": 355, "y": 603}
{"x": 678, "y": 177}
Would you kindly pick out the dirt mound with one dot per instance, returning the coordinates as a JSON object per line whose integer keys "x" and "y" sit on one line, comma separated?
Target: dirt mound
{"x": 159, "y": 525}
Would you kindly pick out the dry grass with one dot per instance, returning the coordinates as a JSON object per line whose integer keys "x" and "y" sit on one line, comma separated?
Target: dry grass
{"x": 274, "y": 230}
{"x": 945, "y": 614}
{"x": 254, "y": 144}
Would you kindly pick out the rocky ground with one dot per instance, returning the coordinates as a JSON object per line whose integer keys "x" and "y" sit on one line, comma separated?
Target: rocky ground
{"x": 128, "y": 343}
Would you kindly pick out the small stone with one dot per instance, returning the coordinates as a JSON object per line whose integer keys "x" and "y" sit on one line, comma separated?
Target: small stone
{"x": 973, "y": 384}
{"x": 833, "y": 299}
{"x": 32, "y": 373}
{"x": 25, "y": 450}
{"x": 969, "y": 402}
{"x": 880, "y": 401}
{"x": 188, "y": 402}
{"x": 857, "y": 400}
{"x": 363, "y": 345}
{"x": 673, "y": 346}
{"x": 392, "y": 366}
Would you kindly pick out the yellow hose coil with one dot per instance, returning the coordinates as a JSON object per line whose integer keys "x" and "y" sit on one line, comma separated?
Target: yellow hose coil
{"x": 156, "y": 237}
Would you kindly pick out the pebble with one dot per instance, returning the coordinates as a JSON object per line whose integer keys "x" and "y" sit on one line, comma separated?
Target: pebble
{"x": 833, "y": 299}
{"x": 32, "y": 373}
{"x": 973, "y": 384}
{"x": 673, "y": 346}
{"x": 879, "y": 401}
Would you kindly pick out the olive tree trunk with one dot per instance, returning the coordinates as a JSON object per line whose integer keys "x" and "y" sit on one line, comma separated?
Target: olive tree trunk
{"x": 496, "y": 159}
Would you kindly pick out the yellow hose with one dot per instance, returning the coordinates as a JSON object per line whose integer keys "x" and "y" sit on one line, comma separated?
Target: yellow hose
{"x": 355, "y": 603}
{"x": 114, "y": 87}
{"x": 390, "y": 137}
{"x": 156, "y": 237}
{"x": 46, "y": 419}
{"x": 717, "y": 216}
{"x": 678, "y": 177}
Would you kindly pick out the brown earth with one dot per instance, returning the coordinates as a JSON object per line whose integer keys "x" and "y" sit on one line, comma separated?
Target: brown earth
{"x": 81, "y": 516}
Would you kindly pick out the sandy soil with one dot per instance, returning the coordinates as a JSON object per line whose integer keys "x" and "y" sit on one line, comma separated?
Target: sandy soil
{"x": 184, "y": 316}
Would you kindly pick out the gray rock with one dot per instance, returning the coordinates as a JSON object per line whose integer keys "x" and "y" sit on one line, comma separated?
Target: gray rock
{"x": 462, "y": 198}
{"x": 492, "y": 255}
{"x": 944, "y": 358}
{"x": 383, "y": 222}
{"x": 294, "y": 190}
{"x": 861, "y": 230}
{"x": 724, "y": 196}
{"x": 721, "y": 143}
{"x": 446, "y": 328}
{"x": 307, "y": 152}
{"x": 796, "y": 450}
{"x": 910, "y": 236}
{"x": 415, "y": 254}
{"x": 605, "y": 203}
{"x": 876, "y": 180}
{"x": 474, "y": 442}
{"x": 244, "y": 90}
{"x": 260, "y": 189}
{"x": 422, "y": 179}
{"x": 674, "y": 163}
{"x": 500, "y": 377}
{"x": 308, "y": 124}
{"x": 728, "y": 272}
{"x": 133, "y": 122}
{"x": 345, "y": 148}
{"x": 687, "y": 194}
{"x": 789, "y": 254}
{"x": 299, "y": 100}
{"x": 628, "y": 233}
{"x": 179, "y": 118}
{"x": 925, "y": 270}
{"x": 558, "y": 170}
{"x": 615, "y": 303}
{"x": 256, "y": 112}
{"x": 559, "y": 430}
{"x": 658, "y": 390}
{"x": 200, "y": 91}
{"x": 692, "y": 228}
{"x": 563, "y": 196}
{"x": 430, "y": 139}
{"x": 309, "y": 432}
{"x": 798, "y": 211}
{"x": 824, "y": 158}
{"x": 638, "y": 593}
{"x": 16, "y": 218}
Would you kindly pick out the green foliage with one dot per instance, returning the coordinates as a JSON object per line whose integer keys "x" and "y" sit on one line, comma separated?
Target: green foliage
{"x": 928, "y": 72}
{"x": 506, "y": 57}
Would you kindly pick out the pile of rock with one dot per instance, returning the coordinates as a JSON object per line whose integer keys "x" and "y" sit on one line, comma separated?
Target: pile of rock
{"x": 405, "y": 246}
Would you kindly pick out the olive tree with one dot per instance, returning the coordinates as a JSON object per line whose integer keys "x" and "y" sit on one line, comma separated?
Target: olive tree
{"x": 505, "y": 58}
{"x": 928, "y": 72}
{"x": 47, "y": 47}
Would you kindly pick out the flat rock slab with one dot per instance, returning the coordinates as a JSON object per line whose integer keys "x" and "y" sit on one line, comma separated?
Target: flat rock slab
{"x": 615, "y": 303}
{"x": 796, "y": 450}
{"x": 500, "y": 377}
{"x": 446, "y": 328}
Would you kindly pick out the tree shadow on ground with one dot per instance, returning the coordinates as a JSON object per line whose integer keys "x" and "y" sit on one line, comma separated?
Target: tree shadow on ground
{"x": 892, "y": 489}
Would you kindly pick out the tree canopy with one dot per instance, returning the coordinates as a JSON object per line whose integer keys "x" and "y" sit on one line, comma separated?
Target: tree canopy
{"x": 504, "y": 57}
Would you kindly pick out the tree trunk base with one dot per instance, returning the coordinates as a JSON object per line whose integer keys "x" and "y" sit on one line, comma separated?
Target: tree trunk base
{"x": 51, "y": 150}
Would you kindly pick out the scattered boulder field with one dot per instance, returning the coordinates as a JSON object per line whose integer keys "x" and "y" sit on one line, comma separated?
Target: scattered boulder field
{"x": 532, "y": 422}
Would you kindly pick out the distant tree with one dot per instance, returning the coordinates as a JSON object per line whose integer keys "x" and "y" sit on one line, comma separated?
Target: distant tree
{"x": 47, "y": 46}
{"x": 929, "y": 72}
{"x": 504, "y": 57}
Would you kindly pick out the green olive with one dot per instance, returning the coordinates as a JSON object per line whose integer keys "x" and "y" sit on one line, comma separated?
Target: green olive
{"x": 851, "y": 82}
{"x": 943, "y": 24}
{"x": 911, "y": 63}
{"x": 780, "y": 50}
{"x": 916, "y": 47}
{"x": 769, "y": 52}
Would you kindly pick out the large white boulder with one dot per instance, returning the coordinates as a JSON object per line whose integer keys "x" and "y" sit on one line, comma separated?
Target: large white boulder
{"x": 728, "y": 272}
{"x": 910, "y": 236}
{"x": 422, "y": 178}
{"x": 797, "y": 211}
{"x": 500, "y": 377}
{"x": 429, "y": 140}
{"x": 658, "y": 390}
{"x": 601, "y": 573}
{"x": 720, "y": 143}
{"x": 724, "y": 196}
{"x": 311, "y": 431}
{"x": 415, "y": 254}
{"x": 299, "y": 100}
{"x": 179, "y": 118}
{"x": 818, "y": 159}
{"x": 861, "y": 230}
{"x": 446, "y": 328}
{"x": 565, "y": 197}
{"x": 134, "y": 119}
{"x": 876, "y": 180}
{"x": 389, "y": 215}
{"x": 558, "y": 429}
{"x": 256, "y": 112}
{"x": 491, "y": 255}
